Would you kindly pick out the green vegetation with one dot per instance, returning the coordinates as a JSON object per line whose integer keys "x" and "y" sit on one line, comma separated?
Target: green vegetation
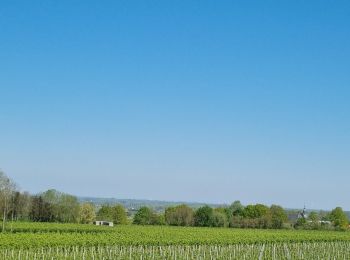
{"x": 339, "y": 218}
{"x": 86, "y": 213}
{"x": 78, "y": 241}
{"x": 181, "y": 215}
{"x": 189, "y": 231}
{"x": 37, "y": 235}
{"x": 55, "y": 206}
{"x": 319, "y": 250}
{"x": 146, "y": 216}
{"x": 45, "y": 226}
{"x": 116, "y": 214}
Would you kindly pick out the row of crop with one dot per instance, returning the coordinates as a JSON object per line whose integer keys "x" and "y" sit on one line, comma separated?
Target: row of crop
{"x": 319, "y": 250}
{"x": 139, "y": 235}
{"x": 40, "y": 227}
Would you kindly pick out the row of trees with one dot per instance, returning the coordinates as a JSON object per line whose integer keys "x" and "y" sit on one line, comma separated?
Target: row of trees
{"x": 55, "y": 206}
{"x": 252, "y": 216}
{"x": 116, "y": 214}
{"x": 239, "y": 216}
{"x": 49, "y": 206}
{"x": 337, "y": 219}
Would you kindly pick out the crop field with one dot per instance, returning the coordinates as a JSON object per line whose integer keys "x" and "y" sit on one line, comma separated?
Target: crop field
{"x": 73, "y": 241}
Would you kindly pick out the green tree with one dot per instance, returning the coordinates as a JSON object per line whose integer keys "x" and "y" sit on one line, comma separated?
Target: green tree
{"x": 219, "y": 218}
{"x": 7, "y": 190}
{"x": 235, "y": 221}
{"x": 68, "y": 208}
{"x": 313, "y": 221}
{"x": 144, "y": 216}
{"x": 203, "y": 217}
{"x": 86, "y": 213}
{"x": 255, "y": 211}
{"x": 21, "y": 206}
{"x": 105, "y": 213}
{"x": 339, "y": 218}
{"x": 65, "y": 207}
{"x": 181, "y": 215}
{"x": 278, "y": 216}
{"x": 41, "y": 211}
{"x": 157, "y": 219}
{"x": 313, "y": 217}
{"x": 236, "y": 208}
{"x": 119, "y": 215}
{"x": 52, "y": 197}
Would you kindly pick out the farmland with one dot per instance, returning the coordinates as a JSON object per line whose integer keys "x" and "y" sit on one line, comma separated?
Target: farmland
{"x": 313, "y": 250}
{"x": 74, "y": 241}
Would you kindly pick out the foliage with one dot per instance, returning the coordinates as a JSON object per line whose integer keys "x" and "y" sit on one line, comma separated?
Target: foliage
{"x": 21, "y": 207}
{"x": 146, "y": 216}
{"x": 289, "y": 250}
{"x": 300, "y": 223}
{"x": 117, "y": 214}
{"x": 64, "y": 207}
{"x": 339, "y": 218}
{"x": 278, "y": 216}
{"x": 203, "y": 217}
{"x": 181, "y": 215}
{"x": 219, "y": 219}
{"x": 86, "y": 213}
{"x": 313, "y": 217}
{"x": 41, "y": 210}
{"x": 236, "y": 208}
{"x": 255, "y": 211}
{"x": 55, "y": 206}
{"x": 105, "y": 213}
{"x": 44, "y": 235}
{"x": 7, "y": 189}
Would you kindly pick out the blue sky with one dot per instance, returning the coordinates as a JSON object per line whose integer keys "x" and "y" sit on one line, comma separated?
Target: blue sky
{"x": 178, "y": 100}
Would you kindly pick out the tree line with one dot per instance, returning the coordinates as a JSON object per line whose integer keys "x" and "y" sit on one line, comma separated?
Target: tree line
{"x": 238, "y": 216}
{"x": 55, "y": 206}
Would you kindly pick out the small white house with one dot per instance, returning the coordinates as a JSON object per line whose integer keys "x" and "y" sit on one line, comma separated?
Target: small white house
{"x": 103, "y": 223}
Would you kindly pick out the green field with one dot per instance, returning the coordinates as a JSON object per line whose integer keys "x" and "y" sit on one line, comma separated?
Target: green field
{"x": 73, "y": 241}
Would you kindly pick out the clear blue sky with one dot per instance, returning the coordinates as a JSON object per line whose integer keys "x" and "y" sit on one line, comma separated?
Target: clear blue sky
{"x": 207, "y": 101}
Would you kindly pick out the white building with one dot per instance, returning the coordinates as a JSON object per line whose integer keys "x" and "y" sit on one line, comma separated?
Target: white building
{"x": 103, "y": 223}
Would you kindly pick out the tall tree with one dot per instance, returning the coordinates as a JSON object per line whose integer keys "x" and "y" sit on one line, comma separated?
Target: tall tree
{"x": 21, "y": 203}
{"x": 339, "y": 218}
{"x": 181, "y": 215}
{"x": 64, "y": 207}
{"x": 219, "y": 218}
{"x": 105, "y": 213}
{"x": 236, "y": 208}
{"x": 119, "y": 215}
{"x": 313, "y": 217}
{"x": 52, "y": 197}
{"x": 86, "y": 213}
{"x": 144, "y": 216}
{"x": 7, "y": 189}
{"x": 203, "y": 217}
{"x": 255, "y": 211}
{"x": 68, "y": 208}
{"x": 278, "y": 216}
{"x": 41, "y": 211}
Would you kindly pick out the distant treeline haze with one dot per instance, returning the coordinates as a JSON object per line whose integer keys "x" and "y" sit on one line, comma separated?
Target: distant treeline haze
{"x": 55, "y": 206}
